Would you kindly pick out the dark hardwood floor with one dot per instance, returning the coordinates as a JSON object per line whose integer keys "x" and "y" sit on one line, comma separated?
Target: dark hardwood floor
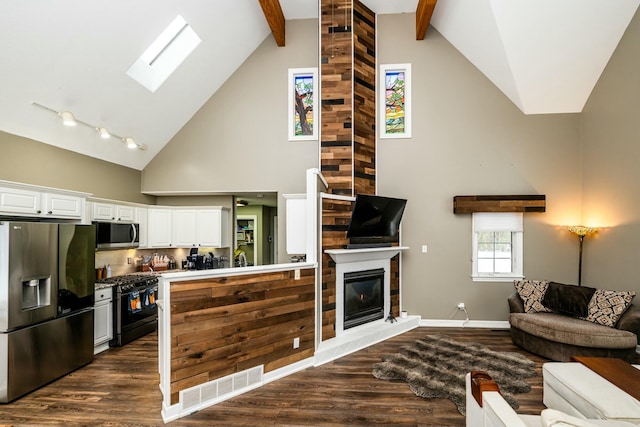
{"x": 120, "y": 388}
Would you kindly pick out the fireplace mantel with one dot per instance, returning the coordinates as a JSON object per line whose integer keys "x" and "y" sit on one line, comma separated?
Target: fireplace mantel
{"x": 365, "y": 254}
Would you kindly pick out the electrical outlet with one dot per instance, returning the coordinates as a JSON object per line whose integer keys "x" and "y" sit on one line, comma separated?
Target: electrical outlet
{"x": 296, "y": 275}
{"x": 296, "y": 342}
{"x": 424, "y": 249}
{"x": 461, "y": 306}
{"x": 129, "y": 260}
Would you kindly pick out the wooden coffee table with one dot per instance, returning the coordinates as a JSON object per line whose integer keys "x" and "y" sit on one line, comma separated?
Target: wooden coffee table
{"x": 616, "y": 371}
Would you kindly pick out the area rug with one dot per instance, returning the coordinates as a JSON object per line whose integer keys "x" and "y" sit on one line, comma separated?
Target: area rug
{"x": 435, "y": 367}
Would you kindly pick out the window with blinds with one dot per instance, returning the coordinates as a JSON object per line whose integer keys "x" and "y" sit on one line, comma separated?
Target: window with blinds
{"x": 497, "y": 246}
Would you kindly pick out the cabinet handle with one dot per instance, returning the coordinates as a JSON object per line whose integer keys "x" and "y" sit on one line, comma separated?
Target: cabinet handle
{"x": 39, "y": 211}
{"x": 50, "y": 212}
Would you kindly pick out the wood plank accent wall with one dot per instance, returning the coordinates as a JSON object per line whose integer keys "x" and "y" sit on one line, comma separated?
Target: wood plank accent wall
{"x": 224, "y": 325}
{"x": 364, "y": 99}
{"x": 335, "y": 221}
{"x": 348, "y": 81}
{"x": 394, "y": 286}
{"x": 527, "y": 203}
{"x": 336, "y": 136}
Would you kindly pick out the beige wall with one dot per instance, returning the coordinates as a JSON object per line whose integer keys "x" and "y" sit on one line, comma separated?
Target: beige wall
{"x": 611, "y": 155}
{"x": 27, "y": 161}
{"x": 469, "y": 139}
{"x": 224, "y": 201}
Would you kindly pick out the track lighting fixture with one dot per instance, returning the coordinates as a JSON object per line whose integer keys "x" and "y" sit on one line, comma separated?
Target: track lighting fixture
{"x": 68, "y": 119}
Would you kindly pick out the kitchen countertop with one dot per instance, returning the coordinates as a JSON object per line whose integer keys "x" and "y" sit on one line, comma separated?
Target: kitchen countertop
{"x": 231, "y": 271}
{"x": 212, "y": 272}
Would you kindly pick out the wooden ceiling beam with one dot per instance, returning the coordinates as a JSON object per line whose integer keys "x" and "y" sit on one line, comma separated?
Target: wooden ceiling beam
{"x": 423, "y": 17}
{"x": 275, "y": 18}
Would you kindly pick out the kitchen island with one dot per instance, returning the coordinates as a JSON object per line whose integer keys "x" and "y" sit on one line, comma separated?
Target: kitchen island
{"x": 226, "y": 331}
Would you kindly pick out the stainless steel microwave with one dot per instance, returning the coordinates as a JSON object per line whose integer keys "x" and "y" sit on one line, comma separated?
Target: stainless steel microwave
{"x": 114, "y": 235}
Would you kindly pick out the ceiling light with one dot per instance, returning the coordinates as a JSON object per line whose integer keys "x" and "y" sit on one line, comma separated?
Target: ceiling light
{"x": 241, "y": 203}
{"x": 104, "y": 134}
{"x": 67, "y": 118}
{"x": 130, "y": 142}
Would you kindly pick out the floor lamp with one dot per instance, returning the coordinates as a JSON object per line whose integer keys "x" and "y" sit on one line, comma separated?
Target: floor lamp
{"x": 581, "y": 231}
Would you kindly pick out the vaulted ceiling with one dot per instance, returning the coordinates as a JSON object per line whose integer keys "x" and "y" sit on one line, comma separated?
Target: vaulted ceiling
{"x": 73, "y": 55}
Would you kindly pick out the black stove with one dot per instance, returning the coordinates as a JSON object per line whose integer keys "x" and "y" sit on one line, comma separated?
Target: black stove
{"x": 135, "y": 312}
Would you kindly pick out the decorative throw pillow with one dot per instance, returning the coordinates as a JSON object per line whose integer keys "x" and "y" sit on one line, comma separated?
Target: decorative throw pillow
{"x": 571, "y": 300}
{"x": 606, "y": 307}
{"x": 532, "y": 292}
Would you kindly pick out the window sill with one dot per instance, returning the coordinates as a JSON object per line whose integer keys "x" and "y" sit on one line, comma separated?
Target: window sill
{"x": 496, "y": 278}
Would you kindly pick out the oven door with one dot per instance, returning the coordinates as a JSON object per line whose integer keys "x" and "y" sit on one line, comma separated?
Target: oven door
{"x": 136, "y": 314}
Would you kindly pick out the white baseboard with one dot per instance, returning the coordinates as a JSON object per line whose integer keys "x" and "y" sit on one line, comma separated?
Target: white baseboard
{"x": 489, "y": 324}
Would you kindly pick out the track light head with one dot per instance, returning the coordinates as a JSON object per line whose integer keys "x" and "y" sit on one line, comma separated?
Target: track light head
{"x": 104, "y": 134}
{"x": 130, "y": 143}
{"x": 67, "y": 118}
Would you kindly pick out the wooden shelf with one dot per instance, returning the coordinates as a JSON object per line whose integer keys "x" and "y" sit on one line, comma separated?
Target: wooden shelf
{"x": 521, "y": 203}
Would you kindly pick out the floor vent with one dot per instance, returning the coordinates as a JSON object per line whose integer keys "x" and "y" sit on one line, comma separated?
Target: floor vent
{"x": 221, "y": 389}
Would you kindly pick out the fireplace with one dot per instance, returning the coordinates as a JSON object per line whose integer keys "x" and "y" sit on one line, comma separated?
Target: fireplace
{"x": 363, "y": 297}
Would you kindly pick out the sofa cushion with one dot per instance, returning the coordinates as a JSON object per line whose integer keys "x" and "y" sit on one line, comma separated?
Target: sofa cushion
{"x": 606, "y": 307}
{"x": 532, "y": 292}
{"x": 568, "y": 330}
{"x": 571, "y": 300}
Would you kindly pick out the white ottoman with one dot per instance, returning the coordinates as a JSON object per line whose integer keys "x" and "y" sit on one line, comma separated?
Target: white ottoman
{"x": 577, "y": 390}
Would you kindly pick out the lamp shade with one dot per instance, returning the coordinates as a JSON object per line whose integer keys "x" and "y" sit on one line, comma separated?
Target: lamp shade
{"x": 67, "y": 118}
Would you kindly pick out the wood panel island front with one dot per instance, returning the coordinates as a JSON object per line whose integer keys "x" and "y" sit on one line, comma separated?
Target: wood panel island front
{"x": 225, "y": 331}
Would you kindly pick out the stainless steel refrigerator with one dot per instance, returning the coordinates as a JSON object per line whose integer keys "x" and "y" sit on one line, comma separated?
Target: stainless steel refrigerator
{"x": 47, "y": 275}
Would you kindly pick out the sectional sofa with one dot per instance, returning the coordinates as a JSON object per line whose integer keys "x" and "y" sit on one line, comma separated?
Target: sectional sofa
{"x": 557, "y": 321}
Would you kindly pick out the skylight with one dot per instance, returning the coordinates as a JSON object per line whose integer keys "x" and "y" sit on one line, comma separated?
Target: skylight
{"x": 165, "y": 54}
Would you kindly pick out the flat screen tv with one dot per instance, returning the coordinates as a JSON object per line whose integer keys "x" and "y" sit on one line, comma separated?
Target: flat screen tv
{"x": 374, "y": 221}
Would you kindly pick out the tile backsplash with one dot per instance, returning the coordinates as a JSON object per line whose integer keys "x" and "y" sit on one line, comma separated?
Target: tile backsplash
{"x": 123, "y": 261}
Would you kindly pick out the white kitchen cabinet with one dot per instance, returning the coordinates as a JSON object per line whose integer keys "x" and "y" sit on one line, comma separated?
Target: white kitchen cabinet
{"x": 33, "y": 201}
{"x": 201, "y": 227}
{"x": 160, "y": 228}
{"x": 296, "y": 220}
{"x": 103, "y": 319}
{"x": 113, "y": 212}
{"x": 142, "y": 218}
{"x": 62, "y": 205}
{"x": 125, "y": 213}
{"x": 184, "y": 228}
{"x": 103, "y": 211}
{"x": 20, "y": 201}
{"x": 213, "y": 227}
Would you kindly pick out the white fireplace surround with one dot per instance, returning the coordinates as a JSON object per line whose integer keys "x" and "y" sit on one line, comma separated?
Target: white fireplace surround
{"x": 361, "y": 336}
{"x": 353, "y": 260}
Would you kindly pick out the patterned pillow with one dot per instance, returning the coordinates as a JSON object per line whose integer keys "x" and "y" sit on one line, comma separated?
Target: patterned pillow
{"x": 532, "y": 292}
{"x": 606, "y": 307}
